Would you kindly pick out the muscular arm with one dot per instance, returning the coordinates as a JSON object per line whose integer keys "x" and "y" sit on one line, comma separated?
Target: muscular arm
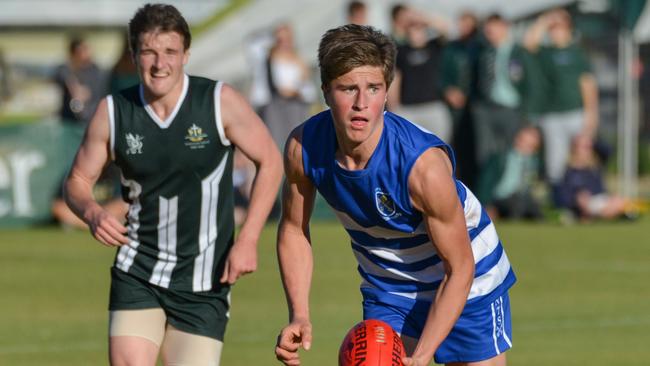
{"x": 294, "y": 252}
{"x": 433, "y": 192}
{"x": 246, "y": 131}
{"x": 86, "y": 169}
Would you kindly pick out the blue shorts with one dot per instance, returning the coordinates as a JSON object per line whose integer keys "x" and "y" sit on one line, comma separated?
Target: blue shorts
{"x": 479, "y": 334}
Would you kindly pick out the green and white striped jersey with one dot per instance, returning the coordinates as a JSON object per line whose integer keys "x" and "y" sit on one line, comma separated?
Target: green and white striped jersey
{"x": 177, "y": 178}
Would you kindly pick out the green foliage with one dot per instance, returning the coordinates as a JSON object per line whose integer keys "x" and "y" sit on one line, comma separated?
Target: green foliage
{"x": 581, "y": 297}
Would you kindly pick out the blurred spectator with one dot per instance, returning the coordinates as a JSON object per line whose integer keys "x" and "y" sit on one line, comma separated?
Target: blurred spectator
{"x": 82, "y": 83}
{"x": 357, "y": 13}
{"x": 258, "y": 45}
{"x": 415, "y": 92}
{"x": 124, "y": 73}
{"x": 5, "y": 85}
{"x": 399, "y": 21}
{"x": 458, "y": 80}
{"x": 572, "y": 94}
{"x": 584, "y": 186}
{"x": 290, "y": 85}
{"x": 403, "y": 16}
{"x": 496, "y": 112}
{"x": 513, "y": 196}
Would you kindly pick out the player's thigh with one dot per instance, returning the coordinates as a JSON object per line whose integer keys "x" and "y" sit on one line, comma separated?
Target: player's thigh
{"x": 186, "y": 349}
{"x": 135, "y": 336}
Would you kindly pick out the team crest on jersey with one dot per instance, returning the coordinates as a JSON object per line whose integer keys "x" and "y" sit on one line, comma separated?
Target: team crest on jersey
{"x": 134, "y": 142}
{"x": 385, "y": 204}
{"x": 195, "y": 137}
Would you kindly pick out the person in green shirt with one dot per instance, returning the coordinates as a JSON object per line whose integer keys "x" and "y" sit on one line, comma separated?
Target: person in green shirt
{"x": 572, "y": 94}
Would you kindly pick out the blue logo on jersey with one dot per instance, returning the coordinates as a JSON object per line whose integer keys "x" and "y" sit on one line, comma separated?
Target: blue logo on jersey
{"x": 385, "y": 204}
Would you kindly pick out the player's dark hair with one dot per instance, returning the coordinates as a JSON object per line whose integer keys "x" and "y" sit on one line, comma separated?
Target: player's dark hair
{"x": 161, "y": 18}
{"x": 350, "y": 46}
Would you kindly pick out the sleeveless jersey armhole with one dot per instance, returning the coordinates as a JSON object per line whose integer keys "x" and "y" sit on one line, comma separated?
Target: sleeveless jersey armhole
{"x": 111, "y": 124}
{"x": 217, "y": 114}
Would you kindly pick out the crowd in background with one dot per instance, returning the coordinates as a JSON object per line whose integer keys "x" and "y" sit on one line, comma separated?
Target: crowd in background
{"x": 520, "y": 111}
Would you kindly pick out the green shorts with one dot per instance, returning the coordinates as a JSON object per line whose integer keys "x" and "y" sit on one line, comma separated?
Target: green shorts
{"x": 200, "y": 313}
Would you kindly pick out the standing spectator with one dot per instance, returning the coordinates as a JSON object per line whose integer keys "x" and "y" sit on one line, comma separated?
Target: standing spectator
{"x": 399, "y": 21}
{"x": 258, "y": 45}
{"x": 82, "y": 83}
{"x": 290, "y": 85}
{"x": 496, "y": 112}
{"x": 5, "y": 84}
{"x": 458, "y": 82}
{"x": 572, "y": 104}
{"x": 513, "y": 196}
{"x": 357, "y": 13}
{"x": 124, "y": 73}
{"x": 415, "y": 93}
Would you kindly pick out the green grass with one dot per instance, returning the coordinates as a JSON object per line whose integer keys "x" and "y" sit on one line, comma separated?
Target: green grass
{"x": 581, "y": 297}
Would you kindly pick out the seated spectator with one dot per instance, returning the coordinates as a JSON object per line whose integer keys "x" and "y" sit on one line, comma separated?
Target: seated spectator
{"x": 513, "y": 196}
{"x": 584, "y": 187}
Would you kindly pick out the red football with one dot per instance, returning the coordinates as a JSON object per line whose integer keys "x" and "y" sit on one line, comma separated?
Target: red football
{"x": 371, "y": 343}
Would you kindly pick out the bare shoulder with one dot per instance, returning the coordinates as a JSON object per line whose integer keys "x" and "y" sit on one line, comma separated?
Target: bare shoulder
{"x": 432, "y": 172}
{"x": 293, "y": 153}
{"x": 99, "y": 128}
{"x": 233, "y": 103}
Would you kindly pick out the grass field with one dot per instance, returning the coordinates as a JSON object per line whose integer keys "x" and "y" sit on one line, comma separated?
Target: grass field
{"x": 581, "y": 299}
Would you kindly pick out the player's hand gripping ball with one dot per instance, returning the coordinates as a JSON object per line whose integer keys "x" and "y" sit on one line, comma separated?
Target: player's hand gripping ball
{"x": 371, "y": 343}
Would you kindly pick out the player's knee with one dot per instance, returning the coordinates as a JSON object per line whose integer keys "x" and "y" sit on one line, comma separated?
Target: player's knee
{"x": 132, "y": 351}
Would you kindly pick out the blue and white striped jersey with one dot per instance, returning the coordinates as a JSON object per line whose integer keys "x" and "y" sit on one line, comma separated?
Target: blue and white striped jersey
{"x": 397, "y": 261}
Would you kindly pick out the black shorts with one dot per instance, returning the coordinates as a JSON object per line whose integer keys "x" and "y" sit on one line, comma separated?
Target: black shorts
{"x": 201, "y": 313}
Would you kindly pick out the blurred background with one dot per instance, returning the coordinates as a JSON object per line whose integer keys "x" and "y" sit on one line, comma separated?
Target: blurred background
{"x": 57, "y": 59}
{"x": 545, "y": 103}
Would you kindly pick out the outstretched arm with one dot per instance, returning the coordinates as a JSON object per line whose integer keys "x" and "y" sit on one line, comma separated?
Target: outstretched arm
{"x": 294, "y": 252}
{"x": 247, "y": 131}
{"x": 86, "y": 169}
{"x": 433, "y": 192}
{"x": 535, "y": 33}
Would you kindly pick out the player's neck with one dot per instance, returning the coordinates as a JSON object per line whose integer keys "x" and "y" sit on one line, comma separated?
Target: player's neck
{"x": 164, "y": 105}
{"x": 355, "y": 156}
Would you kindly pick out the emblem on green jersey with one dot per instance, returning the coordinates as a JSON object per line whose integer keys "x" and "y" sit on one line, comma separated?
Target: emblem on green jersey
{"x": 134, "y": 143}
{"x": 195, "y": 137}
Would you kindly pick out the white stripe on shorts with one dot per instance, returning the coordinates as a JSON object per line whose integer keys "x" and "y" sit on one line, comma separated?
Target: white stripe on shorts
{"x": 494, "y": 329}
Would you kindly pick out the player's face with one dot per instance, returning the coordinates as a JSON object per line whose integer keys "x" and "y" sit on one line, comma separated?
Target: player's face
{"x": 357, "y": 102}
{"x": 160, "y": 59}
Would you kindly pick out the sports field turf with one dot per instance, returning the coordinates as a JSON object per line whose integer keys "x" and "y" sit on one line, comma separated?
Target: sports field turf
{"x": 581, "y": 299}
